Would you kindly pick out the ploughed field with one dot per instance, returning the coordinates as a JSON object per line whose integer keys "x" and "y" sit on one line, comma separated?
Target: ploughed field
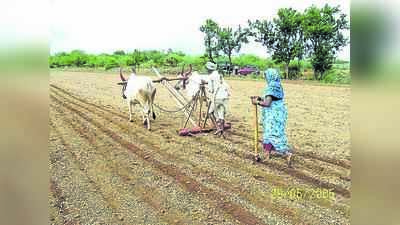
{"x": 106, "y": 170}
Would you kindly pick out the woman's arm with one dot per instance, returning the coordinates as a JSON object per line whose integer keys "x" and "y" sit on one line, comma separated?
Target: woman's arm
{"x": 266, "y": 102}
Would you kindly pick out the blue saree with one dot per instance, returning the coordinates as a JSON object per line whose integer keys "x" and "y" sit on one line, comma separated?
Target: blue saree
{"x": 274, "y": 117}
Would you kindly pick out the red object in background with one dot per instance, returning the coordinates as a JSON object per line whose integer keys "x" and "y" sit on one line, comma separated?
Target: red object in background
{"x": 248, "y": 70}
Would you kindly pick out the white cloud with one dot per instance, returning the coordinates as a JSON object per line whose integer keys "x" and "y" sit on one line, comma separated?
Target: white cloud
{"x": 104, "y": 25}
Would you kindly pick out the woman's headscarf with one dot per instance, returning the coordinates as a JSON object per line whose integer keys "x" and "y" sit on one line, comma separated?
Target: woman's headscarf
{"x": 274, "y": 86}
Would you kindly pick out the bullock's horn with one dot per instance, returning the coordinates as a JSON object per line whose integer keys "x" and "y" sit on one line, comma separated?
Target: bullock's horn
{"x": 183, "y": 68}
{"x": 189, "y": 71}
{"x": 121, "y": 76}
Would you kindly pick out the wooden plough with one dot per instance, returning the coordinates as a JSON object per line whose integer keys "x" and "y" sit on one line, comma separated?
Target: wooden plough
{"x": 200, "y": 121}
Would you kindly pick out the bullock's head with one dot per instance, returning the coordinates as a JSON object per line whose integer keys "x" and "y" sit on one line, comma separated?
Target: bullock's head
{"x": 123, "y": 82}
{"x": 184, "y": 75}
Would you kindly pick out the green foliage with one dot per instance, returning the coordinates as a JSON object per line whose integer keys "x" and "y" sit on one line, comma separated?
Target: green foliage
{"x": 248, "y": 59}
{"x": 111, "y": 63}
{"x": 317, "y": 33}
{"x": 76, "y": 58}
{"x": 230, "y": 41}
{"x": 337, "y": 76}
{"x": 102, "y": 60}
{"x": 294, "y": 69}
{"x": 283, "y": 37}
{"x": 197, "y": 62}
{"x": 92, "y": 61}
{"x": 119, "y": 52}
{"x": 210, "y": 30}
{"x": 136, "y": 58}
{"x": 173, "y": 59}
{"x": 306, "y": 64}
{"x": 157, "y": 57}
{"x": 323, "y": 31}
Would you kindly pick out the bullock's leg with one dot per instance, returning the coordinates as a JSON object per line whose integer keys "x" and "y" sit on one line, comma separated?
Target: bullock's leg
{"x": 152, "y": 112}
{"x": 148, "y": 122}
{"x": 130, "y": 111}
{"x": 147, "y": 115}
{"x": 146, "y": 119}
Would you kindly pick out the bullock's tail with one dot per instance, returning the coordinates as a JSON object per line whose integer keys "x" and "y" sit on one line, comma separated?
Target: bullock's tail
{"x": 153, "y": 95}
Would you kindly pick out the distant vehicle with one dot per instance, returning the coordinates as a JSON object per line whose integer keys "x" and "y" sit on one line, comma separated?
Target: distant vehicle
{"x": 249, "y": 69}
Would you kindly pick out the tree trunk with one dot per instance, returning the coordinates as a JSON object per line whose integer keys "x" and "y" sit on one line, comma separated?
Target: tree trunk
{"x": 286, "y": 70}
{"x": 315, "y": 75}
{"x": 321, "y": 75}
{"x": 300, "y": 73}
{"x": 230, "y": 64}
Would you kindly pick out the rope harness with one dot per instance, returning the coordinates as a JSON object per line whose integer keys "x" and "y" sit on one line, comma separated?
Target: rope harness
{"x": 174, "y": 111}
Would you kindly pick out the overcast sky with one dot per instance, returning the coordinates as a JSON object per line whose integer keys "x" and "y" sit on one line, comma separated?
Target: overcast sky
{"x": 97, "y": 26}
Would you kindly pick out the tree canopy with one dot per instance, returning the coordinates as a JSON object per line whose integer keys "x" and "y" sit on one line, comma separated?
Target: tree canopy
{"x": 282, "y": 37}
{"x": 210, "y": 30}
{"x": 230, "y": 40}
{"x": 323, "y": 30}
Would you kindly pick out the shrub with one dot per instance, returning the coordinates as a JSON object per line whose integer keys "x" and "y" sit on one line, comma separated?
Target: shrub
{"x": 197, "y": 62}
{"x": 306, "y": 64}
{"x": 173, "y": 59}
{"x": 336, "y": 76}
{"x": 111, "y": 63}
{"x": 119, "y": 52}
{"x": 248, "y": 59}
{"x": 294, "y": 71}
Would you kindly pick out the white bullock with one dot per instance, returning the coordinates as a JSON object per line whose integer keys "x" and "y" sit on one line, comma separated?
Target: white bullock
{"x": 139, "y": 90}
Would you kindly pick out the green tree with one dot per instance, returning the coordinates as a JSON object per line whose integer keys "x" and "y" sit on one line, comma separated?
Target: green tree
{"x": 119, "y": 52}
{"x": 136, "y": 58}
{"x": 111, "y": 62}
{"x": 210, "y": 30}
{"x": 249, "y": 59}
{"x": 324, "y": 38}
{"x": 157, "y": 57}
{"x": 172, "y": 59}
{"x": 92, "y": 61}
{"x": 196, "y": 61}
{"x": 283, "y": 37}
{"x": 230, "y": 41}
{"x": 101, "y": 60}
{"x": 76, "y": 58}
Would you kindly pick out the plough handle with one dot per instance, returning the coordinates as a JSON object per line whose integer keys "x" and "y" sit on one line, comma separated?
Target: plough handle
{"x": 255, "y": 129}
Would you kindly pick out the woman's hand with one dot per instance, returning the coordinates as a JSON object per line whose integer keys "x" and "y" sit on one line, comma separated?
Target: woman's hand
{"x": 254, "y": 100}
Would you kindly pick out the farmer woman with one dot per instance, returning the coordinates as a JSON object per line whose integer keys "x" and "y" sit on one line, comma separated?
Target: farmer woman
{"x": 274, "y": 116}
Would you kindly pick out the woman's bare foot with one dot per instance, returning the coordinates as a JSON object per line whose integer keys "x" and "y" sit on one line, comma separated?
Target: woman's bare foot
{"x": 274, "y": 153}
{"x": 266, "y": 156}
{"x": 289, "y": 156}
